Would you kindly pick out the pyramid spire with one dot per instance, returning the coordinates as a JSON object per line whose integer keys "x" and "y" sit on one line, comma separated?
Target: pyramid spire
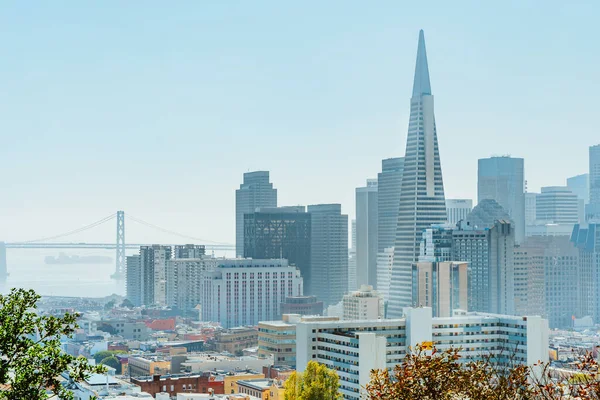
{"x": 421, "y": 84}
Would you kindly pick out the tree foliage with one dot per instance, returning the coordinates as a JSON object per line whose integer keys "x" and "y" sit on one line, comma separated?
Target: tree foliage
{"x": 433, "y": 375}
{"x": 113, "y": 362}
{"x": 317, "y": 382}
{"x": 101, "y": 355}
{"x": 31, "y": 359}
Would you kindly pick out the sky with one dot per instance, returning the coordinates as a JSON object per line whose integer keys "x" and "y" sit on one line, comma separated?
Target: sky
{"x": 158, "y": 108}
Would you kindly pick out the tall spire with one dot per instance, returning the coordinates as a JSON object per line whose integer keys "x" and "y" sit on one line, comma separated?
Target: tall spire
{"x": 421, "y": 84}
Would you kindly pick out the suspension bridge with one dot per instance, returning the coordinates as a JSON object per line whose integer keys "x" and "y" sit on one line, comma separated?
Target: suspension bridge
{"x": 54, "y": 242}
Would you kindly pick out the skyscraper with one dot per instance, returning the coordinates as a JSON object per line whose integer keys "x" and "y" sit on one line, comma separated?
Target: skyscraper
{"x": 329, "y": 252}
{"x": 580, "y": 185}
{"x": 530, "y": 208}
{"x": 366, "y": 234}
{"x": 133, "y": 280}
{"x": 422, "y": 201}
{"x": 502, "y": 179}
{"x": 256, "y": 191}
{"x": 593, "y": 210}
{"x": 352, "y": 260}
{"x": 153, "y": 273}
{"x": 558, "y": 205}
{"x": 389, "y": 183}
{"x": 189, "y": 251}
{"x": 458, "y": 209}
{"x": 280, "y": 232}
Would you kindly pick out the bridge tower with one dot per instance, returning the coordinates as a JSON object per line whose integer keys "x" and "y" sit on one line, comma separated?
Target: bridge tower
{"x": 120, "y": 256}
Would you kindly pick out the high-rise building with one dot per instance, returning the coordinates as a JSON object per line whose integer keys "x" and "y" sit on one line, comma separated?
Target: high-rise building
{"x": 358, "y": 347}
{"x": 364, "y": 303}
{"x": 256, "y": 191}
{"x": 530, "y": 208}
{"x": 184, "y": 282}
{"x": 422, "y": 201}
{"x": 593, "y": 210}
{"x": 243, "y": 291}
{"x": 441, "y": 286}
{"x": 436, "y": 244}
{"x": 490, "y": 254}
{"x": 133, "y": 280}
{"x": 366, "y": 234}
{"x": 458, "y": 209}
{"x": 502, "y": 179}
{"x": 329, "y": 252}
{"x": 587, "y": 241}
{"x": 389, "y": 184}
{"x": 302, "y": 305}
{"x": 486, "y": 213}
{"x": 580, "y": 185}
{"x": 385, "y": 263}
{"x": 280, "y": 232}
{"x": 153, "y": 270}
{"x": 352, "y": 260}
{"x": 530, "y": 291}
{"x": 189, "y": 251}
{"x": 557, "y": 204}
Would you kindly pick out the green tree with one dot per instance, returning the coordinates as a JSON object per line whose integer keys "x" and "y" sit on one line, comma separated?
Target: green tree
{"x": 110, "y": 305}
{"x": 101, "y": 355}
{"x": 317, "y": 382}
{"x": 31, "y": 358}
{"x": 113, "y": 362}
{"x": 127, "y": 303}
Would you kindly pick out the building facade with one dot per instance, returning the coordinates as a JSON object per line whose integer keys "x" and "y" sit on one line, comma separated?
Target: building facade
{"x": 244, "y": 291}
{"x": 280, "y": 232}
{"x": 458, "y": 209}
{"x": 133, "y": 279}
{"x": 441, "y": 286}
{"x": 385, "y": 263}
{"x": 502, "y": 179}
{"x": 530, "y": 290}
{"x": 153, "y": 270}
{"x": 363, "y": 304}
{"x": 366, "y": 233}
{"x": 189, "y": 251}
{"x": 354, "y": 348}
{"x": 587, "y": 240}
{"x": 255, "y": 191}
{"x": 558, "y": 205}
{"x": 530, "y": 208}
{"x": 352, "y": 258}
{"x": 329, "y": 252}
{"x": 422, "y": 200}
{"x": 580, "y": 185}
{"x": 389, "y": 185}
{"x": 184, "y": 282}
{"x": 302, "y": 305}
{"x": 593, "y": 210}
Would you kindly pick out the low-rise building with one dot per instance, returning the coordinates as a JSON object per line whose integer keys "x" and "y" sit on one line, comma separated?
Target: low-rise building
{"x": 188, "y": 383}
{"x": 259, "y": 388}
{"x": 126, "y": 329}
{"x": 105, "y": 386}
{"x": 230, "y": 380}
{"x": 234, "y": 340}
{"x": 149, "y": 365}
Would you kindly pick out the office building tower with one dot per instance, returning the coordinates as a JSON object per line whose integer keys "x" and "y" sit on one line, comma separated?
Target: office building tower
{"x": 490, "y": 254}
{"x": 587, "y": 240}
{"x": 366, "y": 234}
{"x": 280, "y": 232}
{"x": 580, "y": 185}
{"x": 358, "y": 347}
{"x": 184, "y": 282}
{"x": 441, "y": 286}
{"x": 502, "y": 179}
{"x": 530, "y": 208}
{"x": 592, "y": 212}
{"x": 422, "y": 201}
{"x": 436, "y": 244}
{"x": 243, "y": 291}
{"x": 329, "y": 252}
{"x": 153, "y": 269}
{"x": 486, "y": 213}
{"x": 363, "y": 304}
{"x": 530, "y": 291}
{"x": 189, "y": 251}
{"x": 352, "y": 260}
{"x": 133, "y": 280}
{"x": 458, "y": 209}
{"x": 557, "y": 204}
{"x": 389, "y": 185}
{"x": 256, "y": 191}
{"x": 385, "y": 263}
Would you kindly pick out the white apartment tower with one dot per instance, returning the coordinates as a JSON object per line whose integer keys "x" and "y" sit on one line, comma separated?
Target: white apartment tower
{"x": 363, "y": 304}
{"x": 422, "y": 201}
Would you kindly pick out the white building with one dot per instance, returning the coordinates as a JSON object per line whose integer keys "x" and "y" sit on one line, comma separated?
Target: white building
{"x": 245, "y": 291}
{"x": 385, "y": 263}
{"x": 354, "y": 348}
{"x": 363, "y": 304}
{"x": 133, "y": 280}
{"x": 184, "y": 279}
{"x": 352, "y": 285}
{"x": 153, "y": 268}
{"x": 558, "y": 205}
{"x": 458, "y": 209}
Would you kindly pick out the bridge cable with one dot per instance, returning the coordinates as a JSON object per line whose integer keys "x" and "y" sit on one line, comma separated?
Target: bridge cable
{"x": 148, "y": 224}
{"x": 84, "y": 228}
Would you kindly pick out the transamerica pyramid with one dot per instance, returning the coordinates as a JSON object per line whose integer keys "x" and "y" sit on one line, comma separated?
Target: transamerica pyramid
{"x": 422, "y": 201}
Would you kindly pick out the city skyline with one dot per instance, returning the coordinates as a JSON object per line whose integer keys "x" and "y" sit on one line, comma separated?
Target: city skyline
{"x": 60, "y": 114}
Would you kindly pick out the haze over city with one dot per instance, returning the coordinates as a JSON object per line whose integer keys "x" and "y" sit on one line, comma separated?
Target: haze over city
{"x": 159, "y": 109}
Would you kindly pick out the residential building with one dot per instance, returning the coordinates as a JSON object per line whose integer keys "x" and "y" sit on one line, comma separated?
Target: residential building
{"x": 593, "y": 209}
{"x": 385, "y": 263}
{"x": 278, "y": 338}
{"x": 490, "y": 255}
{"x": 256, "y": 191}
{"x": 329, "y": 252}
{"x": 234, "y": 340}
{"x": 557, "y": 204}
{"x": 529, "y": 278}
{"x": 133, "y": 279}
{"x": 530, "y": 208}
{"x": 153, "y": 264}
{"x": 184, "y": 280}
{"x": 422, "y": 200}
{"x": 389, "y": 184}
{"x": 302, "y": 305}
{"x": 258, "y": 388}
{"x": 127, "y": 329}
{"x": 189, "y": 251}
{"x": 231, "y": 379}
{"x": 502, "y": 179}
{"x": 148, "y": 365}
{"x": 363, "y": 304}
{"x": 440, "y": 285}
{"x": 587, "y": 240}
{"x": 280, "y": 232}
{"x": 244, "y": 291}
{"x": 352, "y": 259}
{"x": 354, "y": 348}
{"x": 366, "y": 233}
{"x": 205, "y": 382}
{"x": 458, "y": 209}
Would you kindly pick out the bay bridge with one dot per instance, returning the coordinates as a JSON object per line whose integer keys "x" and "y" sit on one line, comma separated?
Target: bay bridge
{"x": 119, "y": 245}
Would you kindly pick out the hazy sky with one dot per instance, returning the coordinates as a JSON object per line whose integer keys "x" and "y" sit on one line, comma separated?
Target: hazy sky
{"x": 157, "y": 108}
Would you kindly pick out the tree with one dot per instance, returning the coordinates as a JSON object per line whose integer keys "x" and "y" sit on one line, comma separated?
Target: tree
{"x": 127, "y": 304}
{"x": 317, "y": 382}
{"x": 31, "y": 359}
{"x": 101, "y": 355}
{"x": 110, "y": 305}
{"x": 113, "y": 362}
